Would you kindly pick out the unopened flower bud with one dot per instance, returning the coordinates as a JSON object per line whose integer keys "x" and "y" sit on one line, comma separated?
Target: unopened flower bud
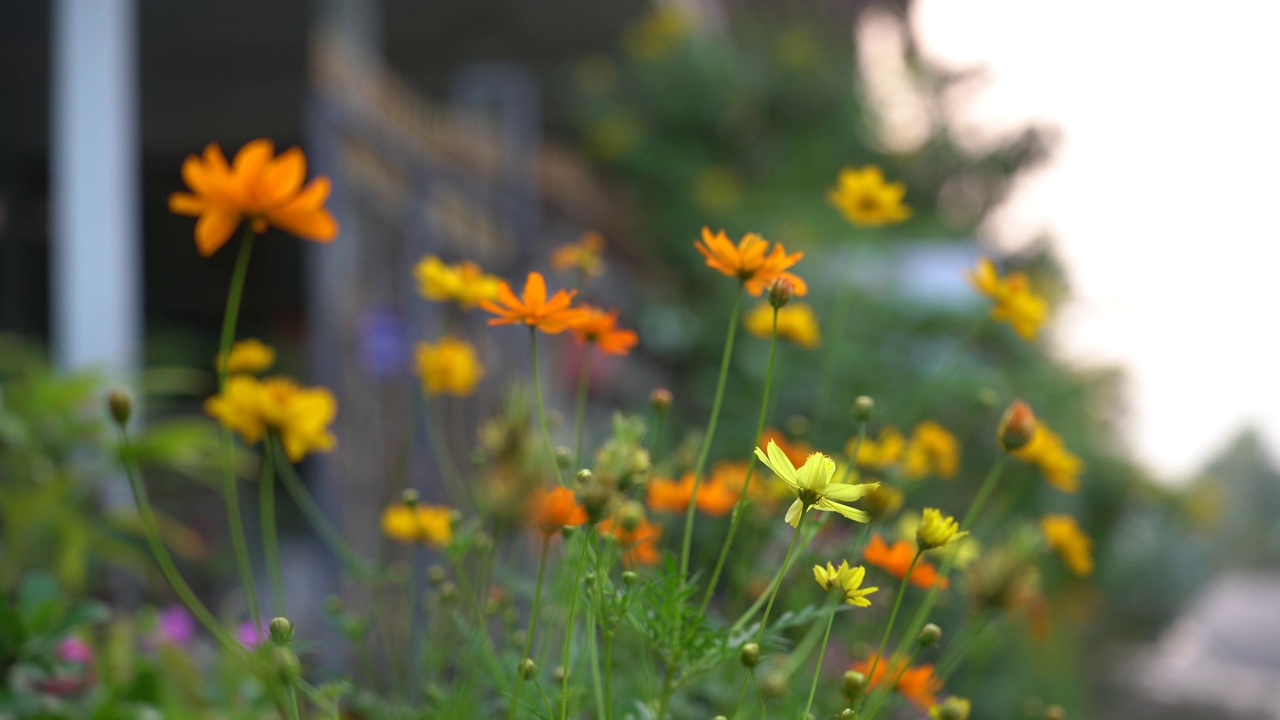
{"x": 799, "y": 425}
{"x": 863, "y": 406}
{"x": 528, "y": 668}
{"x": 781, "y": 290}
{"x": 719, "y": 717}
{"x": 558, "y": 674}
{"x": 435, "y": 695}
{"x": 120, "y": 404}
{"x": 1055, "y": 712}
{"x": 410, "y": 497}
{"x": 988, "y": 398}
{"x": 631, "y": 515}
{"x": 661, "y": 400}
{"x": 853, "y": 683}
{"x": 846, "y": 714}
{"x": 629, "y": 577}
{"x": 929, "y": 635}
{"x": 448, "y": 591}
{"x": 518, "y": 638}
{"x": 584, "y": 476}
{"x": 773, "y": 685}
{"x": 1017, "y": 427}
{"x": 750, "y": 655}
{"x": 589, "y": 578}
{"x": 564, "y": 456}
{"x": 436, "y": 574}
{"x": 281, "y": 631}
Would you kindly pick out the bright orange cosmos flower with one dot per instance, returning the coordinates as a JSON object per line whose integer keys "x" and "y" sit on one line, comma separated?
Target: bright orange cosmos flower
{"x": 895, "y": 559}
{"x": 590, "y": 324}
{"x": 551, "y": 510}
{"x": 750, "y": 260}
{"x": 257, "y": 187}
{"x": 916, "y": 684}
{"x": 533, "y": 308}
{"x": 715, "y": 496}
{"x": 641, "y": 544}
{"x": 583, "y": 255}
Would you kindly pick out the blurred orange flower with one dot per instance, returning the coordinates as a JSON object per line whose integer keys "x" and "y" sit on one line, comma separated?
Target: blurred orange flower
{"x": 584, "y": 255}
{"x": 590, "y": 324}
{"x": 640, "y": 544}
{"x": 533, "y": 308}
{"x": 895, "y": 559}
{"x": 916, "y": 684}
{"x": 551, "y": 510}
{"x": 749, "y": 262}
{"x": 257, "y": 187}
{"x": 796, "y": 452}
{"x": 717, "y": 493}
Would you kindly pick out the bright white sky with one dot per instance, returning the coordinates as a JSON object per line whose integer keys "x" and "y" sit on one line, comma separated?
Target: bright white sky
{"x": 1163, "y": 196}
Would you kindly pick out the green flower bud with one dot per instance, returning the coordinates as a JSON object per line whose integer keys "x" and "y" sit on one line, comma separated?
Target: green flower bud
{"x": 929, "y": 635}
{"x": 436, "y": 574}
{"x": 853, "y": 683}
{"x": 863, "y": 406}
{"x": 750, "y": 655}
{"x": 528, "y": 668}
{"x": 281, "y": 631}
{"x": 120, "y": 405}
{"x": 410, "y": 497}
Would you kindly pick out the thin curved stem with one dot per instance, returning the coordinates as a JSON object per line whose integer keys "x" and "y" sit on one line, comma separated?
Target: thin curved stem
{"x": 314, "y": 514}
{"x": 533, "y": 623}
{"x": 575, "y": 591}
{"x": 817, "y": 670}
{"x": 746, "y": 482}
{"x": 705, "y": 453}
{"x": 151, "y": 529}
{"x": 857, "y": 447}
{"x": 270, "y": 539}
{"x": 230, "y": 491}
{"x": 580, "y": 407}
{"x": 542, "y": 412}
{"x": 888, "y": 628}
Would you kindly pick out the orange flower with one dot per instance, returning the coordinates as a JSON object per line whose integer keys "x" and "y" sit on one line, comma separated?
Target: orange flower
{"x": 749, "y": 262}
{"x": 641, "y": 544}
{"x": 533, "y": 308}
{"x": 716, "y": 494}
{"x": 896, "y": 559}
{"x": 551, "y": 510}
{"x": 590, "y": 324}
{"x": 257, "y": 187}
{"x": 916, "y": 684}
{"x": 583, "y": 255}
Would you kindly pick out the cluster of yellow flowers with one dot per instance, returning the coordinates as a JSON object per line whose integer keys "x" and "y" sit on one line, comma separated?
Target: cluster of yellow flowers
{"x": 1012, "y": 299}
{"x": 931, "y": 450}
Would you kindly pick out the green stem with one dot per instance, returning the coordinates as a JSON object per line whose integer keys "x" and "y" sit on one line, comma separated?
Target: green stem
{"x": 884, "y": 695}
{"x": 270, "y": 540}
{"x": 668, "y": 684}
{"x": 533, "y": 622}
{"x": 152, "y": 530}
{"x": 655, "y": 444}
{"x": 746, "y": 482}
{"x": 773, "y": 594}
{"x": 773, "y": 584}
{"x": 857, "y": 447}
{"x": 230, "y": 492}
{"x": 893, "y": 616}
{"x": 705, "y": 453}
{"x": 984, "y": 492}
{"x": 439, "y": 446}
{"x": 943, "y": 376}
{"x": 608, "y": 674}
{"x": 580, "y": 407}
{"x": 593, "y": 649}
{"x": 817, "y": 670}
{"x": 834, "y": 351}
{"x": 542, "y": 413}
{"x": 292, "y": 705}
{"x": 575, "y": 591}
{"x": 314, "y": 514}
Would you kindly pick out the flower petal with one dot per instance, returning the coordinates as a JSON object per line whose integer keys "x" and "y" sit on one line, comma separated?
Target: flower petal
{"x": 848, "y": 492}
{"x": 214, "y": 229}
{"x": 851, "y": 513}
{"x": 794, "y": 512}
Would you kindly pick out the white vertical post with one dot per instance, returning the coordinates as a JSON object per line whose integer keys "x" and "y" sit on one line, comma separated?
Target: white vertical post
{"x": 94, "y": 186}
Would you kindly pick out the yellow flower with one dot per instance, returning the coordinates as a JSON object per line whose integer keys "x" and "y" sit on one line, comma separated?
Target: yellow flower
{"x": 881, "y": 453}
{"x": 658, "y": 33}
{"x": 932, "y": 450}
{"x": 883, "y": 501}
{"x": 428, "y": 524}
{"x": 248, "y": 356}
{"x": 448, "y": 367}
{"x": 254, "y": 408}
{"x": 953, "y": 708}
{"x": 1065, "y": 536}
{"x": 1061, "y": 468}
{"x": 1013, "y": 301}
{"x": 812, "y": 485}
{"x": 796, "y": 322}
{"x": 464, "y": 283}
{"x": 866, "y": 200}
{"x": 846, "y": 579}
{"x": 937, "y": 530}
{"x": 584, "y": 255}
